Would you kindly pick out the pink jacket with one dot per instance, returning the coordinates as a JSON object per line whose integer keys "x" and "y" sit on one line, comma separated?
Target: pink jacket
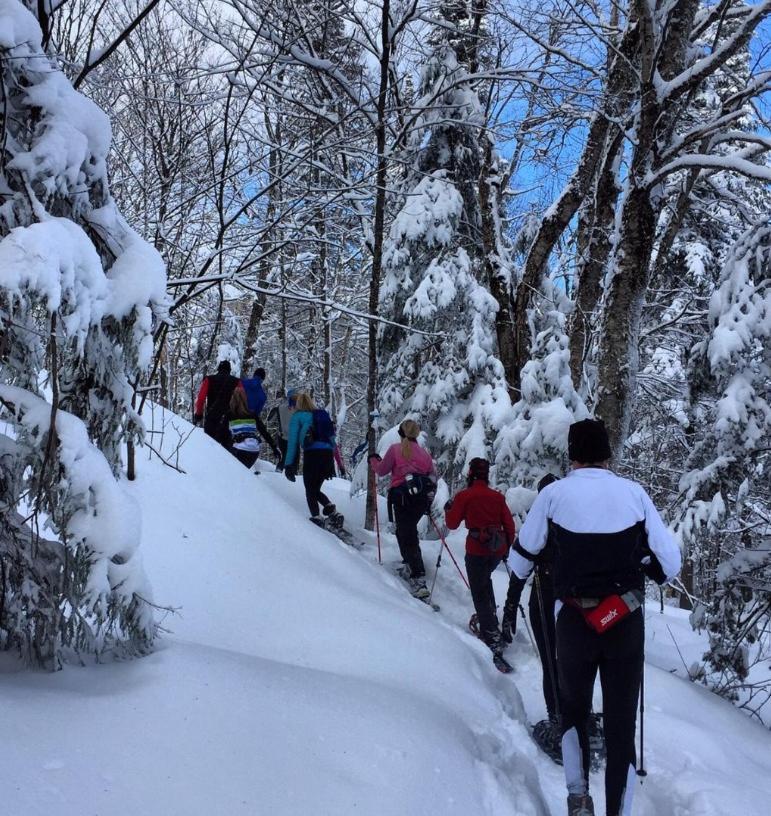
{"x": 395, "y": 464}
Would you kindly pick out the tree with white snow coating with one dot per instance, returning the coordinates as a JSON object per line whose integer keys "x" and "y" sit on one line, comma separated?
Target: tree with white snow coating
{"x": 79, "y": 293}
{"x": 446, "y": 373}
{"x": 725, "y": 508}
{"x": 534, "y": 439}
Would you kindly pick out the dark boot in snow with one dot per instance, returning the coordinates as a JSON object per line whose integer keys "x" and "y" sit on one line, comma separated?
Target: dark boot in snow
{"x": 418, "y": 587}
{"x": 580, "y": 805}
{"x": 319, "y": 521}
{"x": 508, "y": 624}
{"x": 334, "y": 519}
{"x": 547, "y": 736}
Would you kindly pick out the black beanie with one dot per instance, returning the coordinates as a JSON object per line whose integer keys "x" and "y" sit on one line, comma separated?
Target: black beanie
{"x": 588, "y": 442}
{"x": 223, "y": 367}
{"x": 479, "y": 469}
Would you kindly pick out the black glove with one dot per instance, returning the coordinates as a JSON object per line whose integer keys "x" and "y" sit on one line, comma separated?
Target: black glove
{"x": 290, "y": 471}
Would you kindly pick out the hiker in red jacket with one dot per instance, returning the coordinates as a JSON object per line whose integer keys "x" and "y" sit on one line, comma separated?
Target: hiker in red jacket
{"x": 490, "y": 534}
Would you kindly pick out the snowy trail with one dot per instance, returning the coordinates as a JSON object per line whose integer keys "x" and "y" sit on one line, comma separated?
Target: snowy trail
{"x": 300, "y": 677}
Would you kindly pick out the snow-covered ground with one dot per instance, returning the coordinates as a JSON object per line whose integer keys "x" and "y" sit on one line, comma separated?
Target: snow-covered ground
{"x": 300, "y": 678}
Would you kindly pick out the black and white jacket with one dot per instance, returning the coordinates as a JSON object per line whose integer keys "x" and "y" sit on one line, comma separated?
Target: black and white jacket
{"x": 602, "y": 528}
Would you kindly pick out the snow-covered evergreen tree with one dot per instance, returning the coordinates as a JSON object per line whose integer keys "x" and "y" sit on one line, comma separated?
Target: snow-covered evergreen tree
{"x": 725, "y": 506}
{"x": 79, "y": 292}
{"x": 534, "y": 439}
{"x": 446, "y": 373}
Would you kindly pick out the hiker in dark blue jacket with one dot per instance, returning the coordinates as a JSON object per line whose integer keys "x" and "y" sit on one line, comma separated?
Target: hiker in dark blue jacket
{"x": 311, "y": 431}
{"x": 255, "y": 401}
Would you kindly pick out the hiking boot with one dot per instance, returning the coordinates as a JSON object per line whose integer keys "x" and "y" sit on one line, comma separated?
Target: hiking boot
{"x": 547, "y": 735}
{"x": 334, "y": 519}
{"x": 418, "y": 587}
{"x": 580, "y": 804}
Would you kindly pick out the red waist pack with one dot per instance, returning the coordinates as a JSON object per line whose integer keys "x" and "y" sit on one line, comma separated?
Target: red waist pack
{"x": 609, "y": 611}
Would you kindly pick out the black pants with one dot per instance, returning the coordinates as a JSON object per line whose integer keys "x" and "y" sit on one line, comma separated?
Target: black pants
{"x": 247, "y": 458}
{"x": 216, "y": 426}
{"x": 618, "y": 655}
{"x": 542, "y": 627}
{"x": 545, "y": 636}
{"x": 480, "y": 569}
{"x": 283, "y": 444}
{"x": 318, "y": 466}
{"x": 406, "y": 518}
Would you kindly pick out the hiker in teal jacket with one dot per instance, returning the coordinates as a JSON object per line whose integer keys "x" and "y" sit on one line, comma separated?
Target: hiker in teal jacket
{"x": 318, "y": 461}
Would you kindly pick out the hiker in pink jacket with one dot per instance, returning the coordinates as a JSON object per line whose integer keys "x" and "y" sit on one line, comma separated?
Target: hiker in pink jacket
{"x": 413, "y": 484}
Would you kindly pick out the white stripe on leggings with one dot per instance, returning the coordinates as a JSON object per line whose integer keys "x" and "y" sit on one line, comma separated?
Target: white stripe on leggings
{"x": 573, "y": 762}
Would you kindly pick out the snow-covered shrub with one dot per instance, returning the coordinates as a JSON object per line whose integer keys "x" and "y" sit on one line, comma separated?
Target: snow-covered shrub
{"x": 80, "y": 293}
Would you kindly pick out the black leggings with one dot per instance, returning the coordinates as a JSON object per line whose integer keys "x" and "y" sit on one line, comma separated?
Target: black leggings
{"x": 618, "y": 655}
{"x": 542, "y": 627}
{"x": 545, "y": 639}
{"x": 406, "y": 518}
{"x": 318, "y": 466}
{"x": 480, "y": 569}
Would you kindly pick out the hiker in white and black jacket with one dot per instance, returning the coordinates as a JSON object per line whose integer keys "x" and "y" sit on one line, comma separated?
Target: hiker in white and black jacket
{"x": 606, "y": 536}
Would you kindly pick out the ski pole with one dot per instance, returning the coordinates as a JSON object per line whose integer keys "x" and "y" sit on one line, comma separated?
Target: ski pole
{"x": 444, "y": 544}
{"x": 436, "y": 571}
{"x": 377, "y": 517}
{"x": 641, "y": 772}
{"x": 547, "y": 644}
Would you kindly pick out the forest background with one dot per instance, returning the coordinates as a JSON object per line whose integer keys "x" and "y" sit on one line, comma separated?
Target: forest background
{"x": 496, "y": 217}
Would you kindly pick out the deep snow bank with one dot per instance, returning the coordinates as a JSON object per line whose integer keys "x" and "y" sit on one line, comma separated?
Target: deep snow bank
{"x": 299, "y": 677}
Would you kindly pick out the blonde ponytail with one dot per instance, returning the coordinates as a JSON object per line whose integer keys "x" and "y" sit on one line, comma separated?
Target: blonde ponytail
{"x": 409, "y": 431}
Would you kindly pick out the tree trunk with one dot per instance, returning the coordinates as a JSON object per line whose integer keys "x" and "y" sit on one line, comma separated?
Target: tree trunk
{"x": 377, "y": 249}
{"x": 498, "y": 278}
{"x": 595, "y": 235}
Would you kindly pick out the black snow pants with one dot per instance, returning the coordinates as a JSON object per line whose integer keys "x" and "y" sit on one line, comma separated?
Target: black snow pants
{"x": 479, "y": 569}
{"x": 406, "y": 518}
{"x": 618, "y": 655}
{"x": 545, "y": 637}
{"x": 318, "y": 466}
{"x": 542, "y": 627}
{"x": 247, "y": 458}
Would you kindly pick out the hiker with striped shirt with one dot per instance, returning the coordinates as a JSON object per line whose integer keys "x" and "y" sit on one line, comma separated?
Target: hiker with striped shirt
{"x": 244, "y": 444}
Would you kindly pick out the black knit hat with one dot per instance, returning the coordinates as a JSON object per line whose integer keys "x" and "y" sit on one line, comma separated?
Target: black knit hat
{"x": 223, "y": 367}
{"x": 588, "y": 442}
{"x": 479, "y": 469}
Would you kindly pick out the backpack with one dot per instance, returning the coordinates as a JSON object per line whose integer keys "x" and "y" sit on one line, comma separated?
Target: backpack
{"x": 322, "y": 429}
{"x": 255, "y": 395}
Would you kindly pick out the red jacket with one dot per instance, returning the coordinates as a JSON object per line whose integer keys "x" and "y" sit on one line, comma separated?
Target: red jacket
{"x": 481, "y": 507}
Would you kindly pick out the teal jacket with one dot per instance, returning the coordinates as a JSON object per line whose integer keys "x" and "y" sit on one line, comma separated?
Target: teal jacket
{"x": 299, "y": 426}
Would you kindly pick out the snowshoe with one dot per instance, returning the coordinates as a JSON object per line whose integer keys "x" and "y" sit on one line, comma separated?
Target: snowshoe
{"x": 416, "y": 586}
{"x": 334, "y": 519}
{"x": 580, "y": 805}
{"x": 547, "y": 737}
{"x": 331, "y": 526}
{"x": 597, "y": 752}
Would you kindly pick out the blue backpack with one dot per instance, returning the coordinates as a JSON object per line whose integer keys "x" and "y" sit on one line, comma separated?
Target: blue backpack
{"x": 255, "y": 395}
{"x": 322, "y": 429}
